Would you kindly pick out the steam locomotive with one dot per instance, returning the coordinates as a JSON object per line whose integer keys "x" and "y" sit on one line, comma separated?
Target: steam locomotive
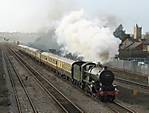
{"x": 96, "y": 80}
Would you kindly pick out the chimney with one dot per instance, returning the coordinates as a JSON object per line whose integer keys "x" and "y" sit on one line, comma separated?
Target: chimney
{"x": 137, "y": 32}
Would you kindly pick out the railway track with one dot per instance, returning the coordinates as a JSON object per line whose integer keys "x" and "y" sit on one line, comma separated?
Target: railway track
{"x": 26, "y": 99}
{"x": 62, "y": 101}
{"x": 132, "y": 77}
{"x": 118, "y": 108}
{"x": 14, "y": 89}
{"x": 132, "y": 83}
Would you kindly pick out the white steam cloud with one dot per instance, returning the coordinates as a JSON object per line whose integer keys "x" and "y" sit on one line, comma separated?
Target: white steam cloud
{"x": 62, "y": 22}
{"x": 87, "y": 37}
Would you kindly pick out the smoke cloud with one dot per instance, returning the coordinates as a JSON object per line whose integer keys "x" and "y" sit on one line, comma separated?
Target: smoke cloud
{"x": 46, "y": 41}
{"x": 64, "y": 25}
{"x": 91, "y": 38}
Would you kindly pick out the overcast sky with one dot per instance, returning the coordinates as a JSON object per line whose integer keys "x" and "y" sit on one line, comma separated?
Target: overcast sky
{"x": 33, "y": 15}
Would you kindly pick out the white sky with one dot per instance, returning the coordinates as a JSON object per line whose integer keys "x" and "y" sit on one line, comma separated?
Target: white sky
{"x": 23, "y": 15}
{"x": 32, "y": 15}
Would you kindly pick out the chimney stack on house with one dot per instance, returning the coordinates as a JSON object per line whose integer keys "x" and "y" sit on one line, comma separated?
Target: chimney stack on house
{"x": 137, "y": 32}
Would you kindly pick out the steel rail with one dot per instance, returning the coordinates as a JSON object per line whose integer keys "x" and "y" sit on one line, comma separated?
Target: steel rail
{"x": 13, "y": 85}
{"x": 130, "y": 82}
{"x": 62, "y": 100}
{"x": 23, "y": 86}
{"x": 118, "y": 108}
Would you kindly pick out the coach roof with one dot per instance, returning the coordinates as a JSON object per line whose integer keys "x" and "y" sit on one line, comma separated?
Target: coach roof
{"x": 58, "y": 57}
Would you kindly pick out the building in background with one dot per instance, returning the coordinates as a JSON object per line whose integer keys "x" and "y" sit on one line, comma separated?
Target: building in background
{"x": 137, "y": 35}
{"x": 133, "y": 46}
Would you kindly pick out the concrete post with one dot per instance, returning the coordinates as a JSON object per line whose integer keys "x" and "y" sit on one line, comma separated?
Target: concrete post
{"x": 148, "y": 80}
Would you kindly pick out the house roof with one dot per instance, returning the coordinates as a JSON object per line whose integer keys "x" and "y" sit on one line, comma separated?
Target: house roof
{"x": 134, "y": 45}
